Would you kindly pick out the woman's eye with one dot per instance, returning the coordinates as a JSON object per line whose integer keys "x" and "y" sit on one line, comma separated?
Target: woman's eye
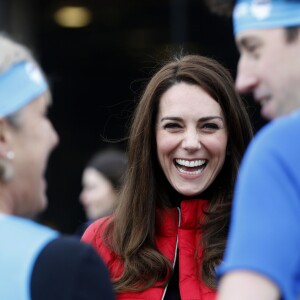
{"x": 45, "y": 112}
{"x": 211, "y": 126}
{"x": 171, "y": 126}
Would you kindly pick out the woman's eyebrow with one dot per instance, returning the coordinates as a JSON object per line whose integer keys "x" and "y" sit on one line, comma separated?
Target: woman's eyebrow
{"x": 171, "y": 118}
{"x": 209, "y": 118}
{"x": 202, "y": 119}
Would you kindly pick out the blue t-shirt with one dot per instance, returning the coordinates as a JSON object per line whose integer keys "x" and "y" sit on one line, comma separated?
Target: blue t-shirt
{"x": 265, "y": 228}
{"x": 36, "y": 263}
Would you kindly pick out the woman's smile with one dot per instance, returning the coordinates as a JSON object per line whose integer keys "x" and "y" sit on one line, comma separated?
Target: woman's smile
{"x": 190, "y": 167}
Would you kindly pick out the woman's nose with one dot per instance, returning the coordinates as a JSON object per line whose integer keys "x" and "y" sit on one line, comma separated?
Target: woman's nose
{"x": 191, "y": 141}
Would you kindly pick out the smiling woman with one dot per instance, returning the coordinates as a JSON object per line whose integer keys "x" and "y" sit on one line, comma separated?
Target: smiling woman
{"x": 191, "y": 139}
{"x": 167, "y": 235}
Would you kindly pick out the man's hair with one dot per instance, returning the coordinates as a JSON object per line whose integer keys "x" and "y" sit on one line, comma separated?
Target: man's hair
{"x": 12, "y": 53}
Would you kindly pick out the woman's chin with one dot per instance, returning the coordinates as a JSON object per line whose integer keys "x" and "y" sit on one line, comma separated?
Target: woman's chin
{"x": 188, "y": 192}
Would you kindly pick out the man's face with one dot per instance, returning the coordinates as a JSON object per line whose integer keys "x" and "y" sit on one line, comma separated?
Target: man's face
{"x": 269, "y": 68}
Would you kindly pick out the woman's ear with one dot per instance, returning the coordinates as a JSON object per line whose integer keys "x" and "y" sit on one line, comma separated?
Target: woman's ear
{"x": 3, "y": 147}
{"x": 5, "y": 139}
{"x": 6, "y": 154}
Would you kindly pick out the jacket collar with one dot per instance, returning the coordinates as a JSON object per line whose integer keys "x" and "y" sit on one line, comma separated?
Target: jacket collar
{"x": 190, "y": 213}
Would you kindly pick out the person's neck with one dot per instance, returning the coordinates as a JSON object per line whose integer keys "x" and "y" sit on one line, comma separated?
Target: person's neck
{"x": 3, "y": 211}
{"x": 176, "y": 198}
{"x": 6, "y": 202}
{"x": 4, "y": 208}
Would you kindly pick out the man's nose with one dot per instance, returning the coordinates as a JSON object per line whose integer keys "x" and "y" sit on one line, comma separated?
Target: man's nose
{"x": 55, "y": 137}
{"x": 246, "y": 79}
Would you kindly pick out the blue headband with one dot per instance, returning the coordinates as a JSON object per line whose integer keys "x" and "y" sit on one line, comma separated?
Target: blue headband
{"x": 264, "y": 14}
{"x": 19, "y": 85}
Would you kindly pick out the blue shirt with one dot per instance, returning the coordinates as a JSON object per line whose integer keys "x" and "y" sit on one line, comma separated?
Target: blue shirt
{"x": 22, "y": 242}
{"x": 36, "y": 263}
{"x": 264, "y": 234}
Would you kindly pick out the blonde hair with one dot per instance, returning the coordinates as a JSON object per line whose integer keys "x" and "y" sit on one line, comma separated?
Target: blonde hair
{"x": 12, "y": 53}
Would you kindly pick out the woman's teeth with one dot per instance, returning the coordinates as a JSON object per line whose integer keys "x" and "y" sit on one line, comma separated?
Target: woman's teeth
{"x": 191, "y": 167}
{"x": 190, "y": 163}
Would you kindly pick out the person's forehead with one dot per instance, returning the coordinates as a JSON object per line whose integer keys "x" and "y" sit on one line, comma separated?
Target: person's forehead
{"x": 259, "y": 35}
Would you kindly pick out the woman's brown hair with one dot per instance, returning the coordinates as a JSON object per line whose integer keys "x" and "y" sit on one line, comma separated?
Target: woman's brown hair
{"x": 131, "y": 232}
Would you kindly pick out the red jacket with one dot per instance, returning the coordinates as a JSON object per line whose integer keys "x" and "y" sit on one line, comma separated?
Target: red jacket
{"x": 182, "y": 224}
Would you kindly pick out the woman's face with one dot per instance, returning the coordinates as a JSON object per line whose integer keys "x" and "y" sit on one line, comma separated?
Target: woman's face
{"x": 98, "y": 195}
{"x": 191, "y": 138}
{"x": 32, "y": 143}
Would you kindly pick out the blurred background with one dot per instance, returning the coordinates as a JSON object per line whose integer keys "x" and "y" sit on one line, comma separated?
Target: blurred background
{"x": 98, "y": 56}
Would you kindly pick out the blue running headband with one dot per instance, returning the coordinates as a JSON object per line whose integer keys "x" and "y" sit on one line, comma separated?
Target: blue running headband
{"x": 19, "y": 85}
{"x": 264, "y": 14}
